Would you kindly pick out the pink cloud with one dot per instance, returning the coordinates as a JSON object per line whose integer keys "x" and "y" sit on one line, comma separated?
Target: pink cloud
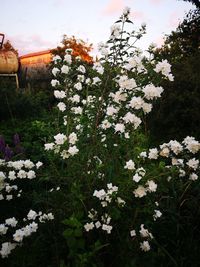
{"x": 137, "y": 15}
{"x": 58, "y": 3}
{"x": 159, "y": 41}
{"x": 174, "y": 19}
{"x": 155, "y": 2}
{"x": 28, "y": 44}
{"x": 113, "y": 7}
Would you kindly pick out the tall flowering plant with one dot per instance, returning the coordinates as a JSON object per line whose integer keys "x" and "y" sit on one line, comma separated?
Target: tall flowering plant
{"x": 114, "y": 193}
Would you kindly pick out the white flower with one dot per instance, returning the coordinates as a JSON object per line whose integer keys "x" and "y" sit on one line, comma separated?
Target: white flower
{"x": 136, "y": 102}
{"x": 101, "y": 194}
{"x": 33, "y": 226}
{"x": 164, "y": 67}
{"x": 31, "y": 174}
{"x": 98, "y": 224}
{"x": 38, "y": 164}
{"x": 147, "y": 107}
{"x": 191, "y": 144}
{"x": 145, "y": 246}
{"x": 132, "y": 233}
{"x": 9, "y": 197}
{"x": 111, "y": 110}
{"x": 31, "y": 215}
{"x": 193, "y": 163}
{"x": 193, "y": 176}
{"x": 126, "y": 11}
{"x": 11, "y": 221}
{"x": 140, "y": 191}
{"x": 105, "y": 124}
{"x": 175, "y": 146}
{"x": 59, "y": 94}
{"x": 2, "y": 176}
{"x": 21, "y": 174}
{"x": 12, "y": 175}
{"x": 55, "y": 83}
{"x": 131, "y": 118}
{"x": 89, "y": 226}
{"x": 98, "y": 67}
{"x": 28, "y": 164}
{"x": 55, "y": 71}
{"x": 56, "y": 58}
{"x": 157, "y": 214}
{"x": 120, "y": 201}
{"x": 96, "y": 80}
{"x": 120, "y": 127}
{"x": 78, "y": 86}
{"x": 137, "y": 178}
{"x": 152, "y": 186}
{"x": 107, "y": 228}
{"x": 77, "y": 110}
{"x": 81, "y": 78}
{"x": 18, "y": 235}
{"x": 153, "y": 153}
{"x": 3, "y": 229}
{"x": 60, "y": 139}
{"x": 165, "y": 152}
{"x": 61, "y": 106}
{"x": 143, "y": 154}
{"x": 49, "y": 146}
{"x": 144, "y": 232}
{"x": 65, "y": 69}
{"x": 6, "y": 249}
{"x": 68, "y": 58}
{"x": 151, "y": 92}
{"x": 73, "y": 150}
{"x": 73, "y": 138}
{"x": 130, "y": 165}
{"x": 81, "y": 68}
{"x": 126, "y": 83}
{"x": 102, "y": 48}
{"x": 115, "y": 30}
{"x": 75, "y": 99}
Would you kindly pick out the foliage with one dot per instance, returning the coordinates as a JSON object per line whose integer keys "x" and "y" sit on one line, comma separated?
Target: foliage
{"x": 194, "y": 2}
{"x": 7, "y": 46}
{"x": 115, "y": 201}
{"x": 176, "y": 115}
{"x": 80, "y": 48}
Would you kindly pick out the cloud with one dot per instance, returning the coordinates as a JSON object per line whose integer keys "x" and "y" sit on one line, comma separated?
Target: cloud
{"x": 174, "y": 19}
{"x": 113, "y": 7}
{"x": 155, "y": 2}
{"x": 58, "y": 3}
{"x": 28, "y": 44}
{"x": 159, "y": 41}
{"x": 137, "y": 15}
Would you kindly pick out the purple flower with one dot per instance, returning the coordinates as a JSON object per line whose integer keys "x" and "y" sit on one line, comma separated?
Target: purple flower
{"x": 2, "y": 144}
{"x": 16, "y": 139}
{"x": 8, "y": 153}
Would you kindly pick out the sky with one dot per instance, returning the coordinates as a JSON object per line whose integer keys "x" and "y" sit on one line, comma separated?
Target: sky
{"x": 37, "y": 25}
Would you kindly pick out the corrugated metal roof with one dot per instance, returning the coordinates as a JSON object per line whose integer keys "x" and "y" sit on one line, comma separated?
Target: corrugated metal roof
{"x": 36, "y": 54}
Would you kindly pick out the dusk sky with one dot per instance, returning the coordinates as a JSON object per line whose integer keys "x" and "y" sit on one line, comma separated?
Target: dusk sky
{"x": 36, "y": 25}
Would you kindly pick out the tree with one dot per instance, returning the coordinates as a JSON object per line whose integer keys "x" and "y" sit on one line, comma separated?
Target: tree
{"x": 194, "y": 2}
{"x": 177, "y": 114}
{"x": 80, "y": 48}
{"x": 7, "y": 46}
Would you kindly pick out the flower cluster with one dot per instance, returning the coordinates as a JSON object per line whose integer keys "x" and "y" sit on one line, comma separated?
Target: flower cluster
{"x": 19, "y": 234}
{"x": 103, "y": 106}
{"x": 106, "y": 197}
{"x": 179, "y": 156}
{"x": 13, "y": 170}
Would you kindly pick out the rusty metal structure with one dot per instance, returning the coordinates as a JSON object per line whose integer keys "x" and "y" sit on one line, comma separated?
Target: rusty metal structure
{"x": 9, "y": 63}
